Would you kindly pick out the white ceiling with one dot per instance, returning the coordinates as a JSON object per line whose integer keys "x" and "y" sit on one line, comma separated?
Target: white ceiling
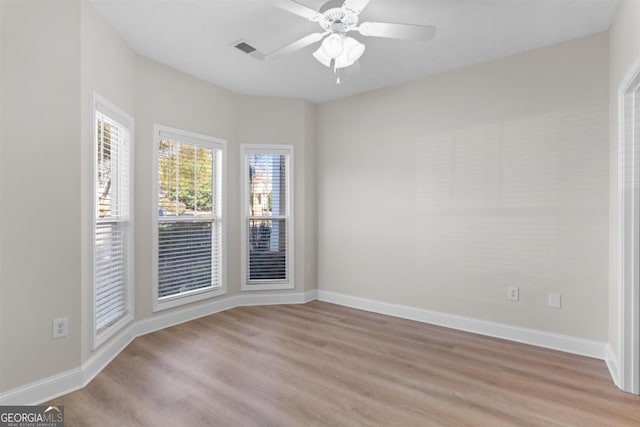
{"x": 196, "y": 37}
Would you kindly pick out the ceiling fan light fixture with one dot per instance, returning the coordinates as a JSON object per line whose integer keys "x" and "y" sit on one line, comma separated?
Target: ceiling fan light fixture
{"x": 322, "y": 57}
{"x": 333, "y": 45}
{"x": 353, "y": 49}
{"x": 351, "y": 52}
{"x": 337, "y": 18}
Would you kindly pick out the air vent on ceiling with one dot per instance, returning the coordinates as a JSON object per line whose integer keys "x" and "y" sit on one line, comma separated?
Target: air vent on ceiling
{"x": 245, "y": 47}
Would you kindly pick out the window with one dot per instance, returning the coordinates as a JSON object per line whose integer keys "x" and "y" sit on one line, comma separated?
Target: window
{"x": 112, "y": 228}
{"x": 189, "y": 231}
{"x": 267, "y": 233}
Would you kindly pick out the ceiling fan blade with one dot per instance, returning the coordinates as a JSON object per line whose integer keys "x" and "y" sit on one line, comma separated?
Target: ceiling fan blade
{"x": 297, "y": 45}
{"x": 355, "y": 5}
{"x": 299, "y": 9}
{"x": 397, "y": 31}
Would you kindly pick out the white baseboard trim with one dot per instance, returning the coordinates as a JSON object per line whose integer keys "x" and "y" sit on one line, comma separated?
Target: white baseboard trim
{"x": 77, "y": 378}
{"x": 163, "y": 320}
{"x": 106, "y": 353}
{"x": 535, "y": 337}
{"x": 43, "y": 390}
{"x": 246, "y": 299}
{"x": 66, "y": 382}
{"x": 612, "y": 364}
{"x": 311, "y": 295}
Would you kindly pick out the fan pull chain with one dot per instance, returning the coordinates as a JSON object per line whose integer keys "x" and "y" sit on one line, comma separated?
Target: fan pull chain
{"x": 336, "y": 70}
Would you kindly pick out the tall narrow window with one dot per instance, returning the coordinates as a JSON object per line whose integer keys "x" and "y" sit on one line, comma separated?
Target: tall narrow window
{"x": 267, "y": 234}
{"x": 189, "y": 231}
{"x": 112, "y": 249}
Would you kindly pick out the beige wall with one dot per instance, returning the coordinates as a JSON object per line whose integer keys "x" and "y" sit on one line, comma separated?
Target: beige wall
{"x": 288, "y": 121}
{"x": 435, "y": 194}
{"x": 107, "y": 68}
{"x": 167, "y": 97}
{"x": 624, "y": 51}
{"x": 311, "y": 204}
{"x": 2, "y": 357}
{"x": 41, "y": 272}
{"x": 440, "y": 193}
{"x": 46, "y": 264}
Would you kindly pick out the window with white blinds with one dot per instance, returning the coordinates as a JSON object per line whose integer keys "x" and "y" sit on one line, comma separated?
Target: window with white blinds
{"x": 112, "y": 269}
{"x": 189, "y": 231}
{"x": 267, "y": 255}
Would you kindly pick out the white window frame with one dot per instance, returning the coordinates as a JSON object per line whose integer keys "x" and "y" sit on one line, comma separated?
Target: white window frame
{"x": 103, "y": 106}
{"x": 160, "y": 132}
{"x": 262, "y": 285}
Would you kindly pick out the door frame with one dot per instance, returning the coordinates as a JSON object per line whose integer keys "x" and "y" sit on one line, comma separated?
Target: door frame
{"x": 629, "y": 230}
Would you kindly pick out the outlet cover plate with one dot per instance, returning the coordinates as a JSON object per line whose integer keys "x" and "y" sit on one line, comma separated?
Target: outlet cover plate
{"x": 60, "y": 327}
{"x": 555, "y": 300}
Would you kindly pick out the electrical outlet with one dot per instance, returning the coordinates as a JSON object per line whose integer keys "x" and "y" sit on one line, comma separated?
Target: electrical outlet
{"x": 513, "y": 293}
{"x": 555, "y": 300}
{"x": 60, "y": 327}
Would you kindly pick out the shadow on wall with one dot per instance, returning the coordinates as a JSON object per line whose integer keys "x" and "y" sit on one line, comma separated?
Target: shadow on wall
{"x": 510, "y": 201}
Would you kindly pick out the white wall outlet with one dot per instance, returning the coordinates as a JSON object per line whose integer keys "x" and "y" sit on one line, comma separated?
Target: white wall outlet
{"x": 555, "y": 300}
{"x": 60, "y": 327}
{"x": 513, "y": 293}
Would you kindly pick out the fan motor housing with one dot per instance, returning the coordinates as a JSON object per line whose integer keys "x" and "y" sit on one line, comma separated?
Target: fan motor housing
{"x": 338, "y": 20}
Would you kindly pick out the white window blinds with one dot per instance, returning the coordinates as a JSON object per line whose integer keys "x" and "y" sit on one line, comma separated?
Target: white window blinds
{"x": 189, "y": 230}
{"x": 267, "y": 236}
{"x": 112, "y": 220}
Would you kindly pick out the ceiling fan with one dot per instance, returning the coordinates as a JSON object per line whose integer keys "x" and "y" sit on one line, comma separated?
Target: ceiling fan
{"x": 337, "y": 18}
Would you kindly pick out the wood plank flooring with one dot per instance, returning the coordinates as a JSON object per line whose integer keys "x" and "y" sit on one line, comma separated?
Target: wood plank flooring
{"x": 322, "y": 364}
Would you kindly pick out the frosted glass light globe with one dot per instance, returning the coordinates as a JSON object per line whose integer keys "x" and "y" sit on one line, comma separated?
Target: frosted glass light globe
{"x": 332, "y": 45}
{"x": 351, "y": 52}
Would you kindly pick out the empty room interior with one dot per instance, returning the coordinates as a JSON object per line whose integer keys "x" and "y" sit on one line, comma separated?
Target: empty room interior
{"x": 353, "y": 212}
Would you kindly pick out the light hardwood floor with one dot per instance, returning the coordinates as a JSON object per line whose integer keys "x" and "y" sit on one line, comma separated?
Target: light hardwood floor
{"x": 323, "y": 364}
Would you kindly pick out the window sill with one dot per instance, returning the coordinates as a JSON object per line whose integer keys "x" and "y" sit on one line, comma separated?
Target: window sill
{"x": 180, "y": 300}
{"x": 266, "y": 286}
{"x": 104, "y": 335}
